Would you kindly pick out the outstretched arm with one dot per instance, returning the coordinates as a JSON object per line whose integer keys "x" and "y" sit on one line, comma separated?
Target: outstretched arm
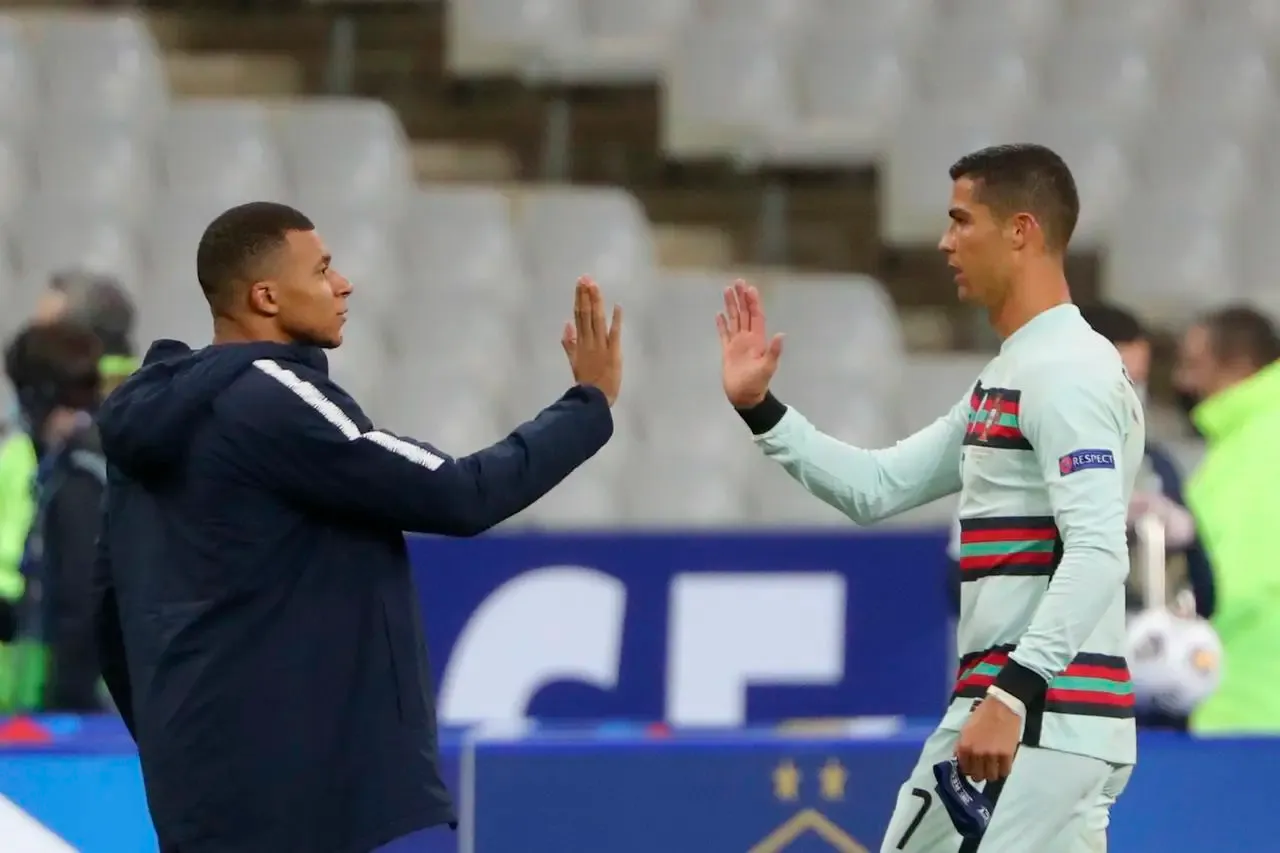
{"x": 866, "y": 485}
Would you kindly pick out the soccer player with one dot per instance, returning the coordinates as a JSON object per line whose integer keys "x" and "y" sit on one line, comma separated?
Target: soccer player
{"x": 259, "y": 623}
{"x": 1044, "y": 452}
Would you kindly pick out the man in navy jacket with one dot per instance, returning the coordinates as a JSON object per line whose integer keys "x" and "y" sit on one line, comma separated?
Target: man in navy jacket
{"x": 257, "y": 616}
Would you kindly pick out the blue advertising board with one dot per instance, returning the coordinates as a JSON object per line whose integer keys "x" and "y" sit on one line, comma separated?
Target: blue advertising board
{"x": 715, "y": 629}
{"x": 634, "y": 791}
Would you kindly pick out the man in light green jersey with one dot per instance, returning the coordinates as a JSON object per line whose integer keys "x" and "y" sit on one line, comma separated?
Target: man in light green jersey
{"x": 1044, "y": 451}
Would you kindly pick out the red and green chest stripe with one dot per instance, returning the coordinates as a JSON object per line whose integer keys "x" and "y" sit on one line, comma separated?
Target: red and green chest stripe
{"x": 993, "y": 419}
{"x": 1092, "y": 684}
{"x": 1012, "y": 546}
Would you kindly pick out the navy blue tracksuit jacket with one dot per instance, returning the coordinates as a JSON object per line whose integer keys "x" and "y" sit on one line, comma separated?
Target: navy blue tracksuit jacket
{"x": 258, "y": 621}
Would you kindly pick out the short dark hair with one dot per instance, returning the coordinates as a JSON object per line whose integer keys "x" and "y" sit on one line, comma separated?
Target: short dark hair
{"x": 57, "y": 361}
{"x": 1025, "y": 177}
{"x": 1241, "y": 333}
{"x": 1116, "y": 324}
{"x": 101, "y": 303}
{"x": 237, "y": 241}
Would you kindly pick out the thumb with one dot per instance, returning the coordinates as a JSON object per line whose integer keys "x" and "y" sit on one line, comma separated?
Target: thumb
{"x": 569, "y": 339}
{"x": 775, "y": 348}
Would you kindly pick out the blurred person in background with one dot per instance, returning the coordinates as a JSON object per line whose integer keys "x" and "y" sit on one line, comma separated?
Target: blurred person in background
{"x": 55, "y": 372}
{"x": 101, "y": 304}
{"x": 1159, "y": 489}
{"x": 1227, "y": 374}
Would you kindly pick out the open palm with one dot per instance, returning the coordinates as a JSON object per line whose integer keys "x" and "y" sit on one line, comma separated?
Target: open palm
{"x": 748, "y": 356}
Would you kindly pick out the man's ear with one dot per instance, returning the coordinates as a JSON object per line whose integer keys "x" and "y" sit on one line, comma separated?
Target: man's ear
{"x": 1022, "y": 229}
{"x": 263, "y": 298}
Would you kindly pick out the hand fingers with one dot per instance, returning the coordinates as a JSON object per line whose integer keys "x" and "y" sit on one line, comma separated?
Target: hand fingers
{"x": 1006, "y": 766}
{"x": 582, "y": 308}
{"x": 615, "y": 327}
{"x": 754, "y": 310}
{"x": 741, "y": 291}
{"x": 731, "y": 312}
{"x": 965, "y": 761}
{"x": 599, "y": 331}
{"x": 722, "y": 327}
{"x": 775, "y": 348}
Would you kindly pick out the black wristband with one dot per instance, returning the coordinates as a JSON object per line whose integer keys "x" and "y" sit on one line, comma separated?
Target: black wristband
{"x": 1021, "y": 683}
{"x": 763, "y": 416}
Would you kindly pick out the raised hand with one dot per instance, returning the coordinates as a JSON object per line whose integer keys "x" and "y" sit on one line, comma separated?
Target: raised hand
{"x": 594, "y": 348}
{"x": 748, "y": 356}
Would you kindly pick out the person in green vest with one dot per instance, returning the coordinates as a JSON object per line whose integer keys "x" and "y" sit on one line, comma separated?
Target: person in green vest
{"x": 1228, "y": 374}
{"x": 102, "y": 304}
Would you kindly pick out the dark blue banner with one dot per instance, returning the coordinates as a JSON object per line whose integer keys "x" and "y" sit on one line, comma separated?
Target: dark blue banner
{"x": 637, "y": 790}
{"x": 719, "y": 629}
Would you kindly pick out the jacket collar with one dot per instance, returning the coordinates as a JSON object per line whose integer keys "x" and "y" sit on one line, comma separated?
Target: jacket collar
{"x": 1228, "y": 410}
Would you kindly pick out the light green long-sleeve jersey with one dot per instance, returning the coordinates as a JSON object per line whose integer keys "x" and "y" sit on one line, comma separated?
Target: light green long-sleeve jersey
{"x": 17, "y": 507}
{"x": 1235, "y": 496}
{"x": 1044, "y": 453}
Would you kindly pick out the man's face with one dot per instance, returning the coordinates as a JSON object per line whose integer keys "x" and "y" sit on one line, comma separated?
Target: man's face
{"x": 976, "y": 247}
{"x": 1136, "y": 357}
{"x": 1199, "y": 373}
{"x": 50, "y": 307}
{"x": 306, "y": 295}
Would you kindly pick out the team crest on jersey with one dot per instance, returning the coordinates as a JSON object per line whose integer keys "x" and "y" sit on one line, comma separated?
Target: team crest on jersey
{"x": 992, "y": 406}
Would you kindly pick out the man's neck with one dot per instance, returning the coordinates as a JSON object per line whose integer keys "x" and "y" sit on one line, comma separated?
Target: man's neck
{"x": 1040, "y": 288}
{"x": 230, "y": 330}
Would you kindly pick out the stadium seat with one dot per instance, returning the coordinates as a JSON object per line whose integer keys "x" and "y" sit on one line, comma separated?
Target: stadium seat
{"x": 460, "y": 239}
{"x": 677, "y": 326}
{"x": 1259, "y": 17}
{"x": 726, "y": 86}
{"x": 569, "y": 232}
{"x": 775, "y": 500}
{"x": 846, "y": 325}
{"x": 1094, "y": 147}
{"x": 617, "y": 42}
{"x": 585, "y": 500}
{"x": 1028, "y": 21}
{"x": 100, "y": 166}
{"x": 1222, "y": 175}
{"x": 351, "y": 151}
{"x": 458, "y": 337}
{"x": 1260, "y": 250}
{"x": 18, "y": 94}
{"x": 105, "y": 67}
{"x": 1169, "y": 259}
{"x": 222, "y": 150}
{"x": 902, "y": 24}
{"x": 1222, "y": 74}
{"x": 444, "y": 412}
{"x": 496, "y": 37}
{"x": 781, "y": 14}
{"x": 14, "y": 179}
{"x": 53, "y": 237}
{"x": 1103, "y": 67}
{"x": 174, "y": 308}
{"x": 932, "y": 384}
{"x": 663, "y": 492}
{"x": 850, "y": 92}
{"x": 983, "y": 67}
{"x": 1160, "y": 18}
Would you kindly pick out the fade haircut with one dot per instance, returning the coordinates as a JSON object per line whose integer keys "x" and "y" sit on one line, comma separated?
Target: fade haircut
{"x": 1028, "y": 178}
{"x": 235, "y": 244}
{"x": 1239, "y": 333}
{"x": 1116, "y": 324}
